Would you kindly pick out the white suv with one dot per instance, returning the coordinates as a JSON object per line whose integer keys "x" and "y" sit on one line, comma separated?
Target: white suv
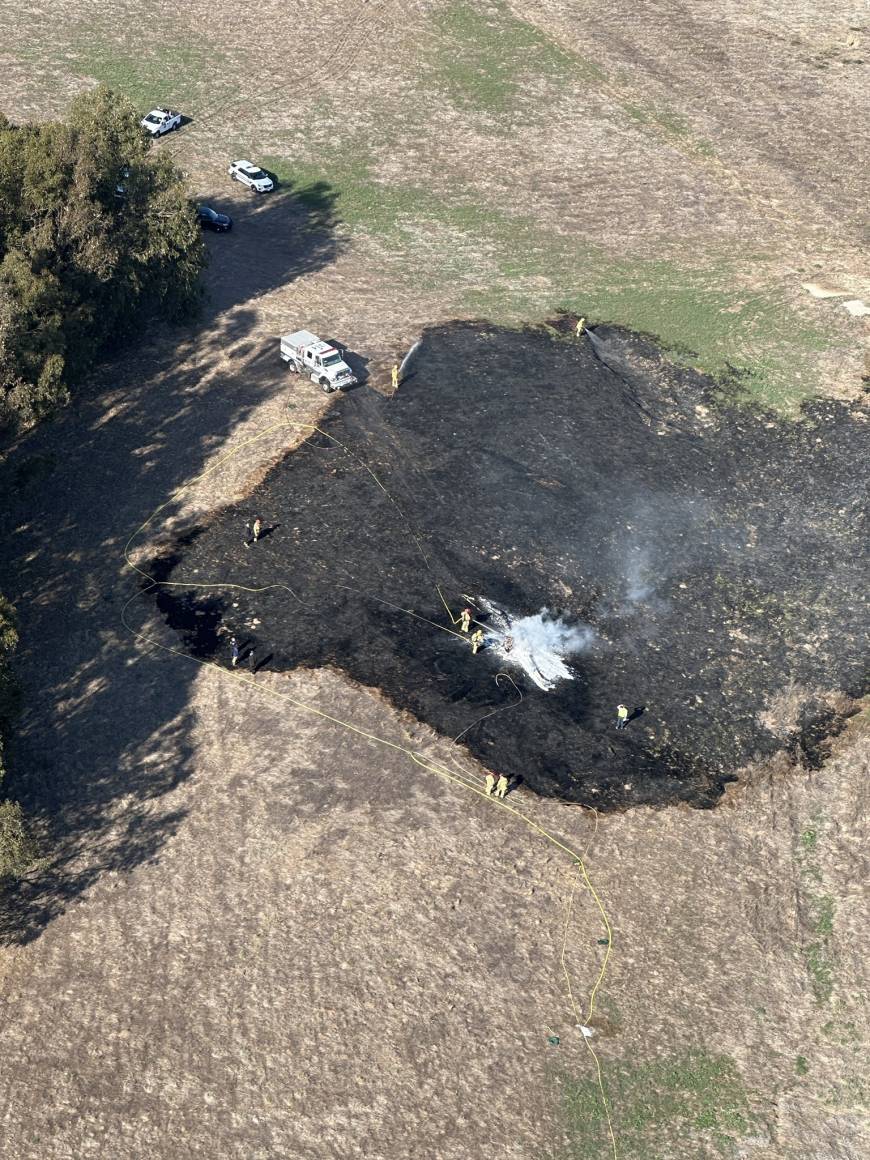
{"x": 160, "y": 121}
{"x": 250, "y": 175}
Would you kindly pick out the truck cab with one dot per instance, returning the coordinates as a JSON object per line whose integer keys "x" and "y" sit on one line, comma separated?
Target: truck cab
{"x": 321, "y": 355}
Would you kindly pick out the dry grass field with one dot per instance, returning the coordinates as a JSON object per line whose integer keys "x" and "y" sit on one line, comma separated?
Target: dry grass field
{"x": 261, "y": 935}
{"x": 674, "y": 169}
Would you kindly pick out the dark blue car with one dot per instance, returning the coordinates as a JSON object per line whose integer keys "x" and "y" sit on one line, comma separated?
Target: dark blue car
{"x": 210, "y": 219}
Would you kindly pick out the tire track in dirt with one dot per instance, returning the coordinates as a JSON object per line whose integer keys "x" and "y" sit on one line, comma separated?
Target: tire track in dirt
{"x": 726, "y": 175}
{"x": 355, "y": 37}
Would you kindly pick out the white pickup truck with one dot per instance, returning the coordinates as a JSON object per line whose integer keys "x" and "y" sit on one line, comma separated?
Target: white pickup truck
{"x": 160, "y": 121}
{"x": 304, "y": 351}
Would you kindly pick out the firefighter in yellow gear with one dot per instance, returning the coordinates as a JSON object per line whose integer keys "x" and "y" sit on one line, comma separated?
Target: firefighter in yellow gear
{"x": 490, "y": 783}
{"x": 621, "y": 716}
{"x": 502, "y": 786}
{"x": 476, "y": 641}
{"x": 395, "y": 375}
{"x": 581, "y": 326}
{"x": 465, "y": 619}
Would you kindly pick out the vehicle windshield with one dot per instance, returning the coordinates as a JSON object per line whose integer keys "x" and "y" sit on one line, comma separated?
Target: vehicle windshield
{"x": 153, "y": 118}
{"x": 207, "y": 211}
{"x": 256, "y": 174}
{"x": 332, "y": 360}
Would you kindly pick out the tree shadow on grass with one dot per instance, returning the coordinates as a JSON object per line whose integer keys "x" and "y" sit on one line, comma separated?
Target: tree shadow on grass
{"x": 104, "y": 738}
{"x": 276, "y": 238}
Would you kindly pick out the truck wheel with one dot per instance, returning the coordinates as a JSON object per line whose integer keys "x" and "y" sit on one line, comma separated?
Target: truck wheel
{"x": 326, "y": 385}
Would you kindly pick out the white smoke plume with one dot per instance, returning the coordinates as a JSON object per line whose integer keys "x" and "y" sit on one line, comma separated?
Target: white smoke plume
{"x": 638, "y": 577}
{"x": 538, "y": 644}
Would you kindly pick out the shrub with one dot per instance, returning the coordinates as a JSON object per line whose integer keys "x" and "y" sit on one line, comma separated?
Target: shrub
{"x": 17, "y": 848}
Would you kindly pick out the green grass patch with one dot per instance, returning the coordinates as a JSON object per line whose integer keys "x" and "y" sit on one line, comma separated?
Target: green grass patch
{"x": 823, "y": 923}
{"x": 851, "y": 1093}
{"x": 149, "y": 73}
{"x": 391, "y": 212}
{"x": 820, "y": 913}
{"x": 820, "y": 966}
{"x": 637, "y": 113}
{"x": 174, "y": 70}
{"x": 843, "y": 1032}
{"x": 809, "y": 839}
{"x": 485, "y": 57}
{"x": 819, "y": 954}
{"x": 693, "y": 1106}
{"x": 671, "y": 125}
{"x": 360, "y": 203}
{"x": 801, "y": 1066}
{"x": 508, "y": 268}
{"x": 699, "y": 315}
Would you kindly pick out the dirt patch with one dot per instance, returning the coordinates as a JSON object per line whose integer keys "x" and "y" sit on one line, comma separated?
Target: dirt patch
{"x": 699, "y": 569}
{"x": 333, "y": 948}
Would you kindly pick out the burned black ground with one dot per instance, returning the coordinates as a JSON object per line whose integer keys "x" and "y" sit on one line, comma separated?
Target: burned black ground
{"x": 718, "y": 556}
